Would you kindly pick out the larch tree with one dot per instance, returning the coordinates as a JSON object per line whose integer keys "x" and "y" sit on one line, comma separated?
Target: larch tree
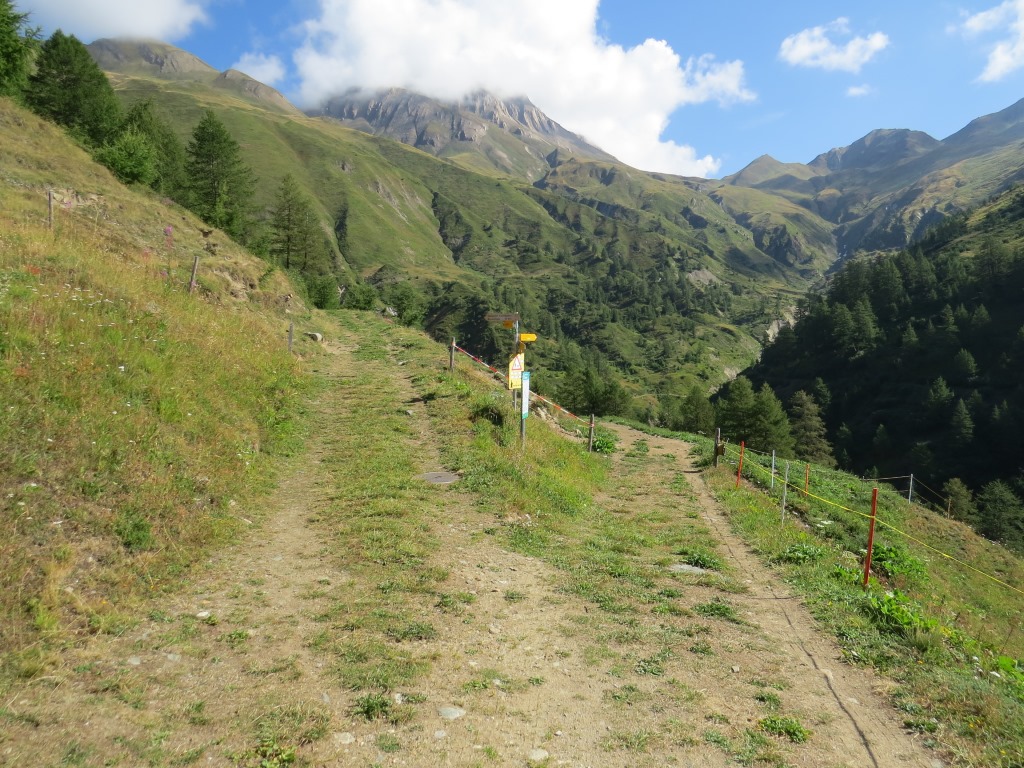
{"x": 219, "y": 184}
{"x": 17, "y": 42}
{"x": 808, "y": 428}
{"x": 70, "y": 89}
{"x": 294, "y": 226}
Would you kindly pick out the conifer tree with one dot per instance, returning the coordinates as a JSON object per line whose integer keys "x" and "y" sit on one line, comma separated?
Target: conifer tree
{"x": 294, "y": 232}
{"x": 808, "y": 428}
{"x": 169, "y": 149}
{"x": 736, "y": 410}
{"x": 70, "y": 89}
{"x": 17, "y": 43}
{"x": 131, "y": 157}
{"x": 219, "y": 184}
{"x": 769, "y": 429}
{"x": 697, "y": 413}
{"x": 960, "y": 501}
{"x": 961, "y": 425}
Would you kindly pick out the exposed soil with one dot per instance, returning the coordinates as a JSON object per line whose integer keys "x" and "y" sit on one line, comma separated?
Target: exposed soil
{"x": 533, "y": 668}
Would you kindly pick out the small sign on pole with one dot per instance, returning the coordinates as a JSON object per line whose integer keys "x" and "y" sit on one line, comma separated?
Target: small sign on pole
{"x": 515, "y": 371}
{"x": 502, "y": 317}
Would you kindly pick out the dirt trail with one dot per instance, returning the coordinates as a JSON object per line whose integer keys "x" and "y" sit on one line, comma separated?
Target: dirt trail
{"x": 535, "y": 676}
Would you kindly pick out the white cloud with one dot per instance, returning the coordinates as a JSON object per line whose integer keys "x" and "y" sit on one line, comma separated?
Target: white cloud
{"x": 1007, "y": 55}
{"x": 814, "y": 47}
{"x": 269, "y": 70}
{"x": 620, "y": 99}
{"x": 859, "y": 90}
{"x": 92, "y": 19}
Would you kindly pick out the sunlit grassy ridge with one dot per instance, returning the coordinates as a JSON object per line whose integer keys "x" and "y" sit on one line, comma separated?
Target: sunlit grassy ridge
{"x": 137, "y": 418}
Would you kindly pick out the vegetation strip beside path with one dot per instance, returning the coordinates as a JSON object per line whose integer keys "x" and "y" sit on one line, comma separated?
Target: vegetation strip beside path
{"x": 372, "y": 619}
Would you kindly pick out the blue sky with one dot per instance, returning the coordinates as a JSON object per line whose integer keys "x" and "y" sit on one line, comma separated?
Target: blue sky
{"x": 665, "y": 85}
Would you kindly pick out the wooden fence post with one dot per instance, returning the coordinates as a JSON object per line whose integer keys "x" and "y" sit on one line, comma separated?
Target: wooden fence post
{"x": 773, "y": 469}
{"x": 871, "y": 536}
{"x": 739, "y": 469}
{"x": 195, "y": 270}
{"x": 451, "y": 356}
{"x": 590, "y": 440}
{"x": 785, "y": 488}
{"x": 807, "y": 479}
{"x": 718, "y": 445}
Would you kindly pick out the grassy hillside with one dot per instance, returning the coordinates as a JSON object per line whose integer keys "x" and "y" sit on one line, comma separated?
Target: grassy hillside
{"x": 138, "y": 419}
{"x": 612, "y": 267}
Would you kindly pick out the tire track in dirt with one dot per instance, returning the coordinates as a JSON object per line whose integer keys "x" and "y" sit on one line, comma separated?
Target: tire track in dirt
{"x": 865, "y": 731}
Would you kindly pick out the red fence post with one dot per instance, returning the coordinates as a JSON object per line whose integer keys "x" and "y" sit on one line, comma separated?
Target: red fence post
{"x": 739, "y": 469}
{"x": 871, "y": 535}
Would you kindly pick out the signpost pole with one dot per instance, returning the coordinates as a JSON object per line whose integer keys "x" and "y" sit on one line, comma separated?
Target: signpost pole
{"x": 526, "y": 408}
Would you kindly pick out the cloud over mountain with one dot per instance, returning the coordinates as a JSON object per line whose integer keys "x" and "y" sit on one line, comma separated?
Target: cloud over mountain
{"x": 164, "y": 20}
{"x": 618, "y": 98}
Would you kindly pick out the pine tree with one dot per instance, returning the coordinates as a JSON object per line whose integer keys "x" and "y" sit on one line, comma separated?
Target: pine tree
{"x": 697, "y": 415}
{"x": 131, "y": 157}
{"x": 736, "y": 410}
{"x": 17, "y": 43}
{"x": 960, "y": 501}
{"x": 961, "y": 425}
{"x": 293, "y": 225}
{"x": 169, "y": 149}
{"x": 769, "y": 429}
{"x": 70, "y": 89}
{"x": 1001, "y": 513}
{"x": 219, "y": 184}
{"x": 809, "y": 435}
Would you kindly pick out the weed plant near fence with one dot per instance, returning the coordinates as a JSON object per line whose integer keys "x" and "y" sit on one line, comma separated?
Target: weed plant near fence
{"x": 941, "y": 616}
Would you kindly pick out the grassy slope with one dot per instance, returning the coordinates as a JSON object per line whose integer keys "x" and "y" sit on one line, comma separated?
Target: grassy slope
{"x": 959, "y": 623}
{"x": 387, "y": 189}
{"x": 136, "y": 416}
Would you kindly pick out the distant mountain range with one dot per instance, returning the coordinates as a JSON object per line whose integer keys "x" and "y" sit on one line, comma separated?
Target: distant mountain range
{"x": 670, "y": 279}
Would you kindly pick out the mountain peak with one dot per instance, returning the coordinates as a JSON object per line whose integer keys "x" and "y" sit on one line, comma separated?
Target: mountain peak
{"x": 879, "y": 149}
{"x": 471, "y": 128}
{"x": 149, "y": 57}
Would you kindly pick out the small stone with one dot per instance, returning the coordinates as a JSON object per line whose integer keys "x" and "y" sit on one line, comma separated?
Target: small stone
{"x": 344, "y": 738}
{"x": 399, "y": 698}
{"x": 451, "y": 713}
{"x": 439, "y": 734}
{"x": 494, "y": 629}
{"x": 327, "y": 698}
{"x": 735, "y": 669}
{"x": 203, "y": 615}
{"x": 174, "y": 657}
{"x": 134, "y": 661}
{"x": 558, "y": 733}
{"x": 537, "y": 755}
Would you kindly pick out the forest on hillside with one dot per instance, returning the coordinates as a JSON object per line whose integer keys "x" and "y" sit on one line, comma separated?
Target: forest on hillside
{"x": 917, "y": 363}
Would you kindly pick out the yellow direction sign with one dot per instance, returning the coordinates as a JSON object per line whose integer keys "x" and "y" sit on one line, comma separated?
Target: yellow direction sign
{"x": 515, "y": 371}
{"x": 527, "y": 336}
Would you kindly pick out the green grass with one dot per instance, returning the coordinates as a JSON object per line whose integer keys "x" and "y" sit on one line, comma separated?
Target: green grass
{"x": 127, "y": 454}
{"x": 934, "y": 627}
